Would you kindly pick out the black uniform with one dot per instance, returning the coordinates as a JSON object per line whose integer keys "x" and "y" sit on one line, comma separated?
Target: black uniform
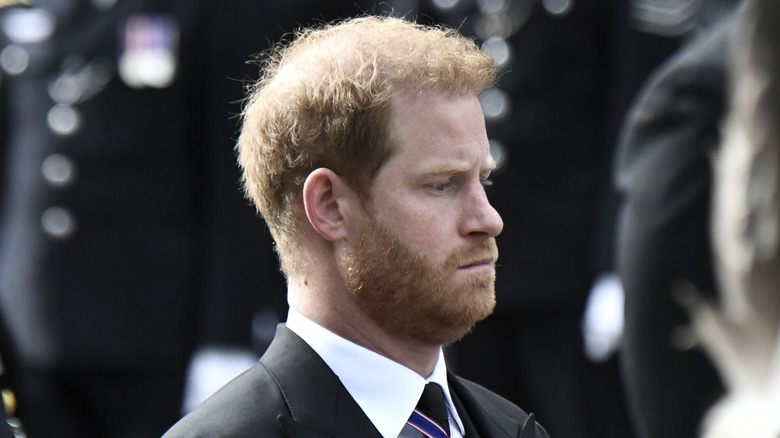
{"x": 124, "y": 238}
{"x": 664, "y": 238}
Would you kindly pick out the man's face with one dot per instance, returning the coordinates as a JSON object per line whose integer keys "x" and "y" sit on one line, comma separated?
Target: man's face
{"x": 423, "y": 265}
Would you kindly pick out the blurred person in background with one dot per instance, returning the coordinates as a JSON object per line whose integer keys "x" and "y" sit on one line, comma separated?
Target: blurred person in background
{"x": 124, "y": 238}
{"x": 664, "y": 173}
{"x": 570, "y": 69}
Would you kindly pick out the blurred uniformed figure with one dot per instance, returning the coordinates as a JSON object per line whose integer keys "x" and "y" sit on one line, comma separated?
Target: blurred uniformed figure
{"x": 125, "y": 243}
{"x": 570, "y": 70}
{"x": 663, "y": 168}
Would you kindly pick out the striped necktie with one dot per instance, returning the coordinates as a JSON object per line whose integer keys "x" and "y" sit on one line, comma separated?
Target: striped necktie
{"x": 430, "y": 415}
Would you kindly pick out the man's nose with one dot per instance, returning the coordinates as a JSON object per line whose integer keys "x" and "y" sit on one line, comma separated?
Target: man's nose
{"x": 479, "y": 216}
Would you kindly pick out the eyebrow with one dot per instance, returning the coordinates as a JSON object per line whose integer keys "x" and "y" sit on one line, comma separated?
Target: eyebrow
{"x": 488, "y": 165}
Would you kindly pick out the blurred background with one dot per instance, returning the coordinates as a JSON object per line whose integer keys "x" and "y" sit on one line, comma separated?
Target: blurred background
{"x": 135, "y": 279}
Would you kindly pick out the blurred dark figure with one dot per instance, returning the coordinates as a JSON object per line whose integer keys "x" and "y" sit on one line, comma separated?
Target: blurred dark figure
{"x": 570, "y": 70}
{"x": 739, "y": 330}
{"x": 125, "y": 243}
{"x": 664, "y": 172}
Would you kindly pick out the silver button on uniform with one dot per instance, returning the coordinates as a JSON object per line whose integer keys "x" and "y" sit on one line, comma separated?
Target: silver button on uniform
{"x": 58, "y": 222}
{"x": 63, "y": 119}
{"x": 58, "y": 170}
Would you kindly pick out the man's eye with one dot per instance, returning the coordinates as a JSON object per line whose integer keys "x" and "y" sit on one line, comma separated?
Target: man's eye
{"x": 440, "y": 187}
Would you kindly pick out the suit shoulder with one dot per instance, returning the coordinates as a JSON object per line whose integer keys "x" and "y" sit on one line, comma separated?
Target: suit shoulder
{"x": 246, "y": 406}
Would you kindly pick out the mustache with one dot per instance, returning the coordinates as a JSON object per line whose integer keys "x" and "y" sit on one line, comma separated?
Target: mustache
{"x": 481, "y": 252}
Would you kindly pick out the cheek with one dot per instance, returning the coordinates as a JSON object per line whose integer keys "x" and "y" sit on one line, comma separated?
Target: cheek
{"x": 429, "y": 238}
{"x": 423, "y": 227}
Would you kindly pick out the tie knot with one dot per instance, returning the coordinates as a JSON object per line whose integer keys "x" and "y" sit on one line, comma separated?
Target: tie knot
{"x": 433, "y": 405}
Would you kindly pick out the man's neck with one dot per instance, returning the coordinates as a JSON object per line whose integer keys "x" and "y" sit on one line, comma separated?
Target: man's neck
{"x": 341, "y": 315}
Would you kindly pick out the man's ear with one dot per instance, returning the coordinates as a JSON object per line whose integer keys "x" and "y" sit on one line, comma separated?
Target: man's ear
{"x": 323, "y": 196}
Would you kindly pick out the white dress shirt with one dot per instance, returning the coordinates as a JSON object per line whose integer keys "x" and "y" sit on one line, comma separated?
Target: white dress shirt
{"x": 385, "y": 390}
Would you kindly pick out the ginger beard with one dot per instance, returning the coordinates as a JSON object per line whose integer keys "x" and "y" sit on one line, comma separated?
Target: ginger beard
{"x": 410, "y": 297}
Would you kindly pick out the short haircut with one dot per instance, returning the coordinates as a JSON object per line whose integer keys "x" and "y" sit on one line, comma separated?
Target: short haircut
{"x": 324, "y": 99}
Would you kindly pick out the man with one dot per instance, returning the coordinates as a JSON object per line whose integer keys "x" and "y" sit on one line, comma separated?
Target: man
{"x": 664, "y": 238}
{"x": 364, "y": 148}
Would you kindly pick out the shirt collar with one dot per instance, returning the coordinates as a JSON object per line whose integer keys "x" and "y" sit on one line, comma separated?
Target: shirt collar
{"x": 385, "y": 390}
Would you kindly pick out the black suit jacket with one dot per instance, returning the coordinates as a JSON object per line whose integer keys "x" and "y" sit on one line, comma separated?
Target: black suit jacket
{"x": 291, "y": 392}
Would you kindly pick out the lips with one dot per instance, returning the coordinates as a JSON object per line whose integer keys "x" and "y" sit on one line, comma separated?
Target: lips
{"x": 483, "y": 254}
{"x": 486, "y": 260}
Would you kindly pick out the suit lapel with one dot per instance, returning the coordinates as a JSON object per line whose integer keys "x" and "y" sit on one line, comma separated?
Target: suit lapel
{"x": 468, "y": 425}
{"x": 319, "y": 405}
{"x": 478, "y": 418}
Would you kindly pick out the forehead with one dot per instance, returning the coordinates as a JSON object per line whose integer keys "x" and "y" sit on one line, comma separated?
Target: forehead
{"x": 437, "y": 129}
